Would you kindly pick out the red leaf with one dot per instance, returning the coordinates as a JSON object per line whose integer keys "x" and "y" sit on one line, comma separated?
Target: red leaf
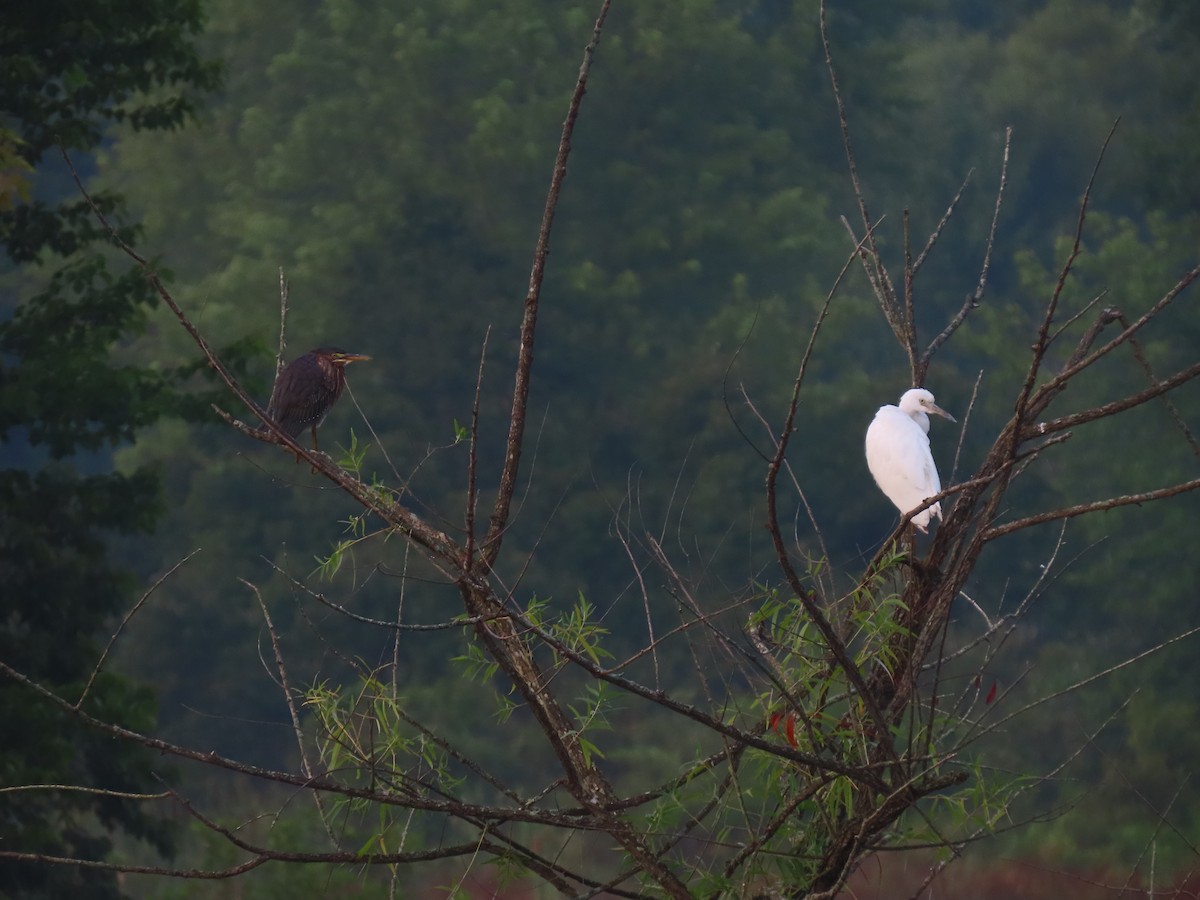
{"x": 791, "y": 730}
{"x": 774, "y": 723}
{"x": 991, "y": 695}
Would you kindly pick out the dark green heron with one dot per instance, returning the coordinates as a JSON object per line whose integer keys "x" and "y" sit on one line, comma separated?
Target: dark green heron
{"x": 308, "y": 387}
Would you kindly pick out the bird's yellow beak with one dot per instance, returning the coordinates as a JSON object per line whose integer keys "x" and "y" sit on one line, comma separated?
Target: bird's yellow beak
{"x": 344, "y": 359}
{"x": 937, "y": 410}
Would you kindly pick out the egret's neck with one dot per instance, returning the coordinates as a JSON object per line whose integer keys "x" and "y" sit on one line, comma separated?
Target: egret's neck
{"x": 921, "y": 419}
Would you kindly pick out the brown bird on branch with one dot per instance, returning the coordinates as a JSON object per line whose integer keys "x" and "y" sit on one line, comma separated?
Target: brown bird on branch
{"x": 307, "y": 388}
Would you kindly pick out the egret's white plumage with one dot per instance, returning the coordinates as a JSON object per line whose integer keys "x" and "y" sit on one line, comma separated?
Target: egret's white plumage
{"x": 898, "y": 454}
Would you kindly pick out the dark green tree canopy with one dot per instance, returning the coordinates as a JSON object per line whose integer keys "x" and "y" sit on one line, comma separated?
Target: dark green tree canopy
{"x": 68, "y": 71}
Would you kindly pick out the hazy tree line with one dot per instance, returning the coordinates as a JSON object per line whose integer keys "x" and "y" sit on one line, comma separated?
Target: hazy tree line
{"x": 393, "y": 164}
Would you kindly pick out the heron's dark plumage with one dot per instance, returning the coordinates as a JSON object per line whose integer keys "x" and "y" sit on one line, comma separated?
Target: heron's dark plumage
{"x": 307, "y": 389}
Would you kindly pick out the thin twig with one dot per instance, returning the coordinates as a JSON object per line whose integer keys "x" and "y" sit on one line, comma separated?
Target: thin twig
{"x": 1079, "y": 315}
{"x": 283, "y": 311}
{"x": 1140, "y": 355}
{"x": 289, "y": 699}
{"x": 803, "y": 594}
{"x": 473, "y": 458}
{"x": 125, "y": 621}
{"x": 974, "y": 299}
{"x": 1048, "y": 391}
{"x": 941, "y": 225}
{"x": 127, "y": 869}
{"x": 878, "y": 277}
{"x": 399, "y": 622}
{"x": 962, "y": 430}
{"x": 1040, "y": 343}
{"x": 1082, "y": 509}
{"x": 84, "y": 789}
{"x": 403, "y": 487}
{"x": 626, "y": 545}
{"x": 1158, "y": 389}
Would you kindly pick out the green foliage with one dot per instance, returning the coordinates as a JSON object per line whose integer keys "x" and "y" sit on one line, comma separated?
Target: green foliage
{"x": 66, "y": 77}
{"x": 1097, "y": 622}
{"x": 393, "y": 161}
{"x": 812, "y": 709}
{"x": 576, "y": 631}
{"x": 475, "y": 665}
{"x": 591, "y": 712}
{"x": 71, "y": 392}
{"x": 364, "y": 736}
{"x": 15, "y": 172}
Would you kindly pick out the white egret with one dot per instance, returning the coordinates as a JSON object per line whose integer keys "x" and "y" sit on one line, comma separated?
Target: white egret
{"x": 898, "y": 454}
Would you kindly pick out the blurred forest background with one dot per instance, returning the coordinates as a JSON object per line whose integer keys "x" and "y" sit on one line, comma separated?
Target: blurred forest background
{"x": 393, "y": 158}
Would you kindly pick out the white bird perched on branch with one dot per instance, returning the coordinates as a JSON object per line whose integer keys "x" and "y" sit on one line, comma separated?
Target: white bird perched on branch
{"x": 898, "y": 454}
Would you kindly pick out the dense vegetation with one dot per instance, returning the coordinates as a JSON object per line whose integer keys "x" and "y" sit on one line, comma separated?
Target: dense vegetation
{"x": 66, "y": 400}
{"x": 393, "y": 163}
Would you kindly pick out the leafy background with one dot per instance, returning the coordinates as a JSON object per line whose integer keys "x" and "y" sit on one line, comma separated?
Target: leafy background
{"x": 393, "y": 162}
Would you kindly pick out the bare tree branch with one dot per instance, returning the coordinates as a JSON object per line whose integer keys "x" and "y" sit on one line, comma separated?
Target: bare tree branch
{"x": 473, "y": 457}
{"x": 1041, "y": 341}
{"x": 516, "y": 434}
{"x": 289, "y": 700}
{"x": 870, "y": 256}
{"x": 1115, "y": 406}
{"x": 87, "y": 688}
{"x": 1082, "y": 509}
{"x": 975, "y": 298}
